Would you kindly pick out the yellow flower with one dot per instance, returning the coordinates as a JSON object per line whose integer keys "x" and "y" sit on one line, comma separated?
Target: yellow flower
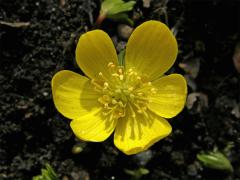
{"x": 132, "y": 99}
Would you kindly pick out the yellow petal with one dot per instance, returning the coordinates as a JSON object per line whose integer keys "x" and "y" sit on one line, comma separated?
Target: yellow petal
{"x": 94, "y": 51}
{"x": 93, "y": 127}
{"x": 135, "y": 135}
{"x": 151, "y": 49}
{"x": 73, "y": 95}
{"x": 170, "y": 96}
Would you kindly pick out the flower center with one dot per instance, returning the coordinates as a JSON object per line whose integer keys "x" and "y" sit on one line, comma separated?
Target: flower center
{"x": 123, "y": 90}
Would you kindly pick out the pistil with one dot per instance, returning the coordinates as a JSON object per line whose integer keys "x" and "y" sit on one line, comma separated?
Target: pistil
{"x": 123, "y": 89}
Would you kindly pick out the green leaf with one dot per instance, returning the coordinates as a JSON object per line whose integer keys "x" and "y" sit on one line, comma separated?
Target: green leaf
{"x": 47, "y": 174}
{"x": 121, "y": 17}
{"x": 112, "y": 7}
{"x": 137, "y": 173}
{"x": 215, "y": 160}
{"x": 121, "y": 57}
{"x": 115, "y": 10}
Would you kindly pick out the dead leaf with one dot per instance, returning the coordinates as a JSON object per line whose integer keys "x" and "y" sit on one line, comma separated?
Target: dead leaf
{"x": 191, "y": 66}
{"x": 15, "y": 24}
{"x": 197, "y": 102}
{"x": 236, "y": 57}
{"x": 236, "y": 110}
{"x": 191, "y": 83}
{"x": 124, "y": 31}
{"x": 28, "y": 115}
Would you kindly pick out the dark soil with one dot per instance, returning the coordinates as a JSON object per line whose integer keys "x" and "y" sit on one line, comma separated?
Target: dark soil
{"x": 32, "y": 132}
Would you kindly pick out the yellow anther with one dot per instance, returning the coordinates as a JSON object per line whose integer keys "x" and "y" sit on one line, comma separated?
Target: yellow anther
{"x": 153, "y": 90}
{"x": 131, "y": 73}
{"x": 110, "y": 64}
{"x": 100, "y": 74}
{"x": 115, "y": 75}
{"x": 120, "y": 71}
{"x": 130, "y": 88}
{"x": 139, "y": 93}
{"x": 114, "y": 101}
{"x": 120, "y": 103}
{"x": 121, "y": 77}
{"x": 106, "y": 84}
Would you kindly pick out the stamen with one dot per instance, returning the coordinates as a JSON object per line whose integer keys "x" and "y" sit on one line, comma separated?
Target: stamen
{"x": 115, "y": 75}
{"x": 120, "y": 103}
{"x": 106, "y": 85}
{"x": 139, "y": 93}
{"x": 130, "y": 70}
{"x": 121, "y": 90}
{"x": 120, "y": 71}
{"x": 121, "y": 77}
{"x": 130, "y": 88}
{"x": 114, "y": 101}
{"x": 132, "y": 111}
{"x": 93, "y": 82}
{"x": 132, "y": 96}
{"x": 110, "y": 64}
{"x": 153, "y": 90}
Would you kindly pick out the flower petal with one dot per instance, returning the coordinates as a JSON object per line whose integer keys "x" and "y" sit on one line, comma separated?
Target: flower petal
{"x": 133, "y": 135}
{"x": 170, "y": 95}
{"x": 93, "y": 127}
{"x": 151, "y": 49}
{"x": 94, "y": 51}
{"x": 73, "y": 95}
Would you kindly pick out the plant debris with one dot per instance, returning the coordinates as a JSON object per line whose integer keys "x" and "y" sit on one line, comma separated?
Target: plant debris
{"x": 15, "y": 24}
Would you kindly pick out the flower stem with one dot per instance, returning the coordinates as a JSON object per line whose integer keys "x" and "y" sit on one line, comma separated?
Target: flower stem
{"x": 100, "y": 19}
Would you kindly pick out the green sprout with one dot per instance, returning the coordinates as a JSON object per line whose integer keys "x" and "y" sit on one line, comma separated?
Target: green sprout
{"x": 215, "y": 160}
{"x": 47, "y": 174}
{"x": 115, "y": 10}
{"x": 137, "y": 173}
{"x": 79, "y": 147}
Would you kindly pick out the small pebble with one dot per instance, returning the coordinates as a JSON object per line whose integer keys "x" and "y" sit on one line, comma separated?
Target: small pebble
{"x": 144, "y": 157}
{"x": 124, "y": 31}
{"x": 146, "y": 3}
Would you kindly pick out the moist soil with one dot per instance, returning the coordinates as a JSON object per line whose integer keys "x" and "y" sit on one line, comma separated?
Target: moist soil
{"x": 32, "y": 132}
